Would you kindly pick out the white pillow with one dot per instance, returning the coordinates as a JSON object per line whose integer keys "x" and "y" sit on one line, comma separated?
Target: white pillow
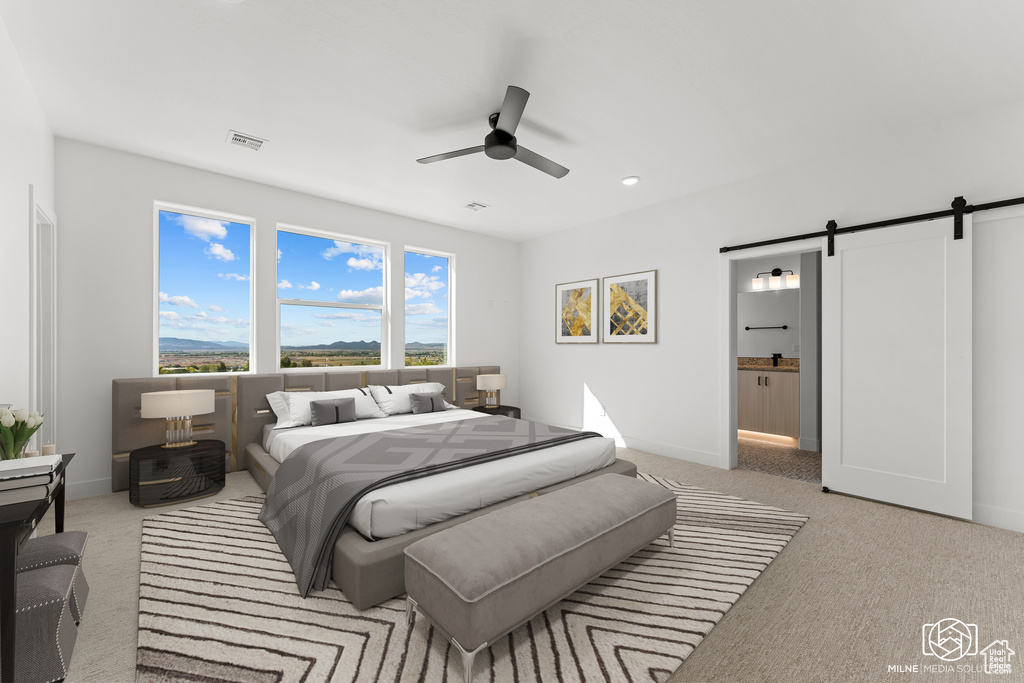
{"x": 395, "y": 400}
{"x": 298, "y": 411}
{"x": 280, "y": 407}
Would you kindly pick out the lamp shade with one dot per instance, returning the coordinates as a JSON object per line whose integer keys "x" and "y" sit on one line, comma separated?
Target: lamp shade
{"x": 793, "y": 281}
{"x": 177, "y": 403}
{"x": 757, "y": 283}
{"x": 490, "y": 382}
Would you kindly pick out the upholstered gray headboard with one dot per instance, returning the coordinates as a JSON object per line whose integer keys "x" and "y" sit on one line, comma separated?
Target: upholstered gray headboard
{"x": 130, "y": 431}
{"x": 242, "y": 408}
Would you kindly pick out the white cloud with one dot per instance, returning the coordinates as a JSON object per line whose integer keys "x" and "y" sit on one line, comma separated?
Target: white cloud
{"x": 201, "y": 314}
{"x": 373, "y": 295}
{"x": 204, "y": 228}
{"x": 279, "y": 254}
{"x": 216, "y": 309}
{"x": 314, "y": 285}
{"x": 169, "y": 315}
{"x": 422, "y": 285}
{"x": 429, "y": 323}
{"x": 348, "y": 315}
{"x": 178, "y": 300}
{"x": 365, "y": 257}
{"x": 284, "y": 284}
{"x": 437, "y": 269}
{"x": 234, "y": 276}
{"x": 327, "y": 323}
{"x": 219, "y": 251}
{"x": 422, "y": 309}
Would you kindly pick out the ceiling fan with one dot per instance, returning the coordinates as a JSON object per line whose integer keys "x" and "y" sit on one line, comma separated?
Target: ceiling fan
{"x": 501, "y": 142}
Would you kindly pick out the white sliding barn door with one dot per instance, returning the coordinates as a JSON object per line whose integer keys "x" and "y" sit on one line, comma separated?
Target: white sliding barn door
{"x": 896, "y": 366}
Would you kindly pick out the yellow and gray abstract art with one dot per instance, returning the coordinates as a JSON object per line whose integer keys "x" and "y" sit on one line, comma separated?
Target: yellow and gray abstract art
{"x": 628, "y": 307}
{"x": 576, "y": 312}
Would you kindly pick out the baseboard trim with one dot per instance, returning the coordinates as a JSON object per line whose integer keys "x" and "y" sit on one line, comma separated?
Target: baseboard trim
{"x": 810, "y": 444}
{"x": 1012, "y": 520}
{"x": 87, "y": 489}
{"x": 655, "y": 447}
{"x": 673, "y": 451}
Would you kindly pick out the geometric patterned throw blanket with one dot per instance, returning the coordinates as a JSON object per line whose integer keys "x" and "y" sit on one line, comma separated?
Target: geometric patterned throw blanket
{"x": 314, "y": 491}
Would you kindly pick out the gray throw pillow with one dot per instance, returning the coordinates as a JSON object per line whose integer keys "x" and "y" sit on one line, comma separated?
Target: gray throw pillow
{"x": 333, "y": 411}
{"x": 431, "y": 402}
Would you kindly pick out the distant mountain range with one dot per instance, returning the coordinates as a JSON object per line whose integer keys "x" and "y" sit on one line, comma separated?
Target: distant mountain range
{"x": 176, "y": 344}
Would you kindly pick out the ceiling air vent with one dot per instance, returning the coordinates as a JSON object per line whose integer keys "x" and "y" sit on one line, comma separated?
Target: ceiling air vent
{"x": 476, "y": 206}
{"x": 250, "y": 141}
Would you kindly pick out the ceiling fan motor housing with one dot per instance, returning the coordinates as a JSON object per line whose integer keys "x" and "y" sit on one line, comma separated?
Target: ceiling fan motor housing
{"x": 500, "y": 145}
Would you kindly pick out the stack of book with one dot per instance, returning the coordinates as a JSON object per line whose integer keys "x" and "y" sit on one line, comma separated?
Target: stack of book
{"x": 26, "y": 479}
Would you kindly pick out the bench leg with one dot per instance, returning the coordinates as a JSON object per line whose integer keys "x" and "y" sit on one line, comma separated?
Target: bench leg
{"x": 410, "y": 609}
{"x": 467, "y": 660}
{"x": 672, "y": 537}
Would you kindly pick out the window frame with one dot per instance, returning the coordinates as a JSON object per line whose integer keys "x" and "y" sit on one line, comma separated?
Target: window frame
{"x": 384, "y": 308}
{"x": 158, "y": 206}
{"x": 451, "y": 301}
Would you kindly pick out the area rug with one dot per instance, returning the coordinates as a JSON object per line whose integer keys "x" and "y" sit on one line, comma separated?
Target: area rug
{"x": 218, "y": 602}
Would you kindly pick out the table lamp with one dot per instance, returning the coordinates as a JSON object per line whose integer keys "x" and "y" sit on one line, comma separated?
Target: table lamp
{"x": 492, "y": 384}
{"x": 178, "y": 407}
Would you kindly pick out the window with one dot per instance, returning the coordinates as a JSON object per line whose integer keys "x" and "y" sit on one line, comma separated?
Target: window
{"x": 427, "y": 307}
{"x": 330, "y": 295}
{"x": 204, "y": 291}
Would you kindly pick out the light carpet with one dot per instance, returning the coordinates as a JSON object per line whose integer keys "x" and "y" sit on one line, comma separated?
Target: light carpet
{"x": 218, "y": 601}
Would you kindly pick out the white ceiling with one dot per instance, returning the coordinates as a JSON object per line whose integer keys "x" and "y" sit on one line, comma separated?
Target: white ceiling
{"x": 686, "y": 94}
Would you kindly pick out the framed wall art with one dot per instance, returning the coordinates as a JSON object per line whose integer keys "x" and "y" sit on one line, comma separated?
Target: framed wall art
{"x": 630, "y": 308}
{"x": 576, "y": 312}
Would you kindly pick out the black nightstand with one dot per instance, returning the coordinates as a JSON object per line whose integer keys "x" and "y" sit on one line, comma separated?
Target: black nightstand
{"x": 160, "y": 476}
{"x": 507, "y": 411}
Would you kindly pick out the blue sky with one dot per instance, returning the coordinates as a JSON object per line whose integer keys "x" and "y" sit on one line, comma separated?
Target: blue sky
{"x": 320, "y": 269}
{"x": 204, "y": 278}
{"x": 205, "y": 283}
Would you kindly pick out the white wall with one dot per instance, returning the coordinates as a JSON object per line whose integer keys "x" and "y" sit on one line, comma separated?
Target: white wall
{"x": 665, "y": 397}
{"x": 105, "y": 293}
{"x": 26, "y": 159}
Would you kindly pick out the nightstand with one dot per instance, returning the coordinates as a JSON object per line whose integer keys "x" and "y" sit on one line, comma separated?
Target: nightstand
{"x": 507, "y": 411}
{"x": 160, "y": 476}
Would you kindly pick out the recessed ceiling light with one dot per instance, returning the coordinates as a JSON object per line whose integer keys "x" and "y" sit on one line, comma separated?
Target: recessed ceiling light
{"x": 631, "y": 180}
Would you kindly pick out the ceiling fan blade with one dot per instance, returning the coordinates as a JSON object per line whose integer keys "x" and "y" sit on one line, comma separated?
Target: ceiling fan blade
{"x": 451, "y": 155}
{"x": 512, "y": 109}
{"x": 540, "y": 163}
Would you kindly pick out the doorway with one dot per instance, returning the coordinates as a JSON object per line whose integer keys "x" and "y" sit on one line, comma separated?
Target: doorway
{"x": 772, "y": 419}
{"x": 42, "y": 325}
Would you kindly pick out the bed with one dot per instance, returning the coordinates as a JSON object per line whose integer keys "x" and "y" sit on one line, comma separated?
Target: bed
{"x": 371, "y": 571}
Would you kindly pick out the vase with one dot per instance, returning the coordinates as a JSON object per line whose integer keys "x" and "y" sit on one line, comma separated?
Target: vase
{"x": 13, "y": 451}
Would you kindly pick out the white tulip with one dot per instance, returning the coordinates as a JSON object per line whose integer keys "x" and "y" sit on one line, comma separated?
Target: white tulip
{"x": 30, "y": 422}
{"x": 21, "y": 415}
{"x": 4, "y": 412}
{"x": 35, "y": 414}
{"x": 7, "y": 420}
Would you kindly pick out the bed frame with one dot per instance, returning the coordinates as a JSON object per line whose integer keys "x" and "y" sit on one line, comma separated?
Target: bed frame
{"x": 367, "y": 572}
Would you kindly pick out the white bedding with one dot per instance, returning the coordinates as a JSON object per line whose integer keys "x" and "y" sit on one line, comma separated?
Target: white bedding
{"x": 400, "y": 508}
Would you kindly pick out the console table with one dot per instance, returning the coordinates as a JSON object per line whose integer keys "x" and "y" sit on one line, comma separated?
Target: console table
{"x": 161, "y": 476}
{"x": 16, "y": 523}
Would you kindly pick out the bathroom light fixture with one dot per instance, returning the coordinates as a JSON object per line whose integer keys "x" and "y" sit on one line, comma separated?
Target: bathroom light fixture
{"x": 775, "y": 280}
{"x": 631, "y": 180}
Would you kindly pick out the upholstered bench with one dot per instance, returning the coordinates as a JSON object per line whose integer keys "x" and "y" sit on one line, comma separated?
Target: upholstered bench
{"x": 45, "y": 634}
{"x": 53, "y": 549}
{"x": 481, "y": 579}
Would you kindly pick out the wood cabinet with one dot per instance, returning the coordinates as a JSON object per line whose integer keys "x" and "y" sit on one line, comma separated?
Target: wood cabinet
{"x": 769, "y": 401}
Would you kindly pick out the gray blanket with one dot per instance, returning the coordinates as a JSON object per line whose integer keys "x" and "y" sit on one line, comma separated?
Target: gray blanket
{"x": 313, "y": 492}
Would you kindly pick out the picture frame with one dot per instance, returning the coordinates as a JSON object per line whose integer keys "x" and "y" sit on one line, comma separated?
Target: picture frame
{"x": 630, "y": 313}
{"x": 576, "y": 311}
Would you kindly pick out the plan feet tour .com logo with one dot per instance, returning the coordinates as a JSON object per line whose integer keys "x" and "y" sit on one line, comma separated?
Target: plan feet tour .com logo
{"x": 956, "y": 647}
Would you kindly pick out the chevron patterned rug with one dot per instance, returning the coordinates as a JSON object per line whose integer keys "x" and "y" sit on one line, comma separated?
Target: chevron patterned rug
{"x": 218, "y": 601}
